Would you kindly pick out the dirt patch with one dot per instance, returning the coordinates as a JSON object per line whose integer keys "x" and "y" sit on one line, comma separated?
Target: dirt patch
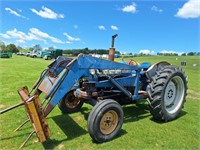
{"x": 2, "y": 105}
{"x": 79, "y": 118}
{"x": 193, "y": 95}
{"x": 60, "y": 146}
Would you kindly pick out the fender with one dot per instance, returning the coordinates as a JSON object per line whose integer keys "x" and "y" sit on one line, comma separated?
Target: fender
{"x": 154, "y": 68}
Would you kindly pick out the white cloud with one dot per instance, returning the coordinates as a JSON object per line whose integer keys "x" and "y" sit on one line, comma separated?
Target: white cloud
{"x": 129, "y": 8}
{"x": 170, "y": 52}
{"x": 190, "y": 9}
{"x": 156, "y": 9}
{"x": 68, "y": 42}
{"x": 114, "y": 27}
{"x": 20, "y": 41}
{"x": 15, "y": 13}
{"x": 70, "y": 38}
{"x": 55, "y": 40}
{"x": 101, "y": 27}
{"x": 43, "y": 35}
{"x": 146, "y": 52}
{"x": 47, "y": 13}
{"x": 5, "y": 36}
{"x": 38, "y": 33}
{"x": 12, "y": 12}
{"x": 33, "y": 34}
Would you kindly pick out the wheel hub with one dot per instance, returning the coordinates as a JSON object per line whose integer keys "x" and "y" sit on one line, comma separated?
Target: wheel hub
{"x": 170, "y": 94}
{"x": 71, "y": 101}
{"x": 109, "y": 122}
{"x": 174, "y": 94}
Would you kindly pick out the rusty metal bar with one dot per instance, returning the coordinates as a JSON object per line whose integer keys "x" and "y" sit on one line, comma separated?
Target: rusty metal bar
{"x": 111, "y": 54}
{"x": 18, "y": 128}
{"x": 113, "y": 40}
{"x": 27, "y": 139}
{"x": 12, "y": 107}
{"x": 112, "y": 49}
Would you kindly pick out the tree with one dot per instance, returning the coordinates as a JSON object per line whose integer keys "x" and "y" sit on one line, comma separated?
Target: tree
{"x": 2, "y": 46}
{"x": 37, "y": 47}
{"x": 190, "y": 54}
{"x": 12, "y": 48}
{"x": 50, "y": 48}
{"x": 30, "y": 49}
{"x": 184, "y": 54}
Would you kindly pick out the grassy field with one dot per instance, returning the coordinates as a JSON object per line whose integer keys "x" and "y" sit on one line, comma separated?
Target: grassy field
{"x": 139, "y": 130}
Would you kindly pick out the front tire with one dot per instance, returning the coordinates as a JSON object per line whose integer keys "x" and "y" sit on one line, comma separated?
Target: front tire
{"x": 168, "y": 91}
{"x": 70, "y": 103}
{"x": 105, "y": 120}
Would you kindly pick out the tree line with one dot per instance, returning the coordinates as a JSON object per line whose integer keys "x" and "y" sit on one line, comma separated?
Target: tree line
{"x": 74, "y": 52}
{"x": 176, "y": 54}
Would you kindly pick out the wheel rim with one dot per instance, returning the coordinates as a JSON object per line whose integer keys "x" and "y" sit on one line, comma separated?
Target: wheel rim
{"x": 109, "y": 122}
{"x": 174, "y": 94}
{"x": 71, "y": 101}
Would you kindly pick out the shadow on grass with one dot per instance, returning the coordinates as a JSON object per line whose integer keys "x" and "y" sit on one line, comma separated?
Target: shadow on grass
{"x": 132, "y": 113}
{"x": 183, "y": 113}
{"x": 69, "y": 127}
{"x": 16, "y": 136}
{"x": 135, "y": 112}
{"x": 121, "y": 133}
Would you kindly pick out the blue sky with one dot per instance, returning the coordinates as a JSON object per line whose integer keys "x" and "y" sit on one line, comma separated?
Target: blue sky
{"x": 143, "y": 26}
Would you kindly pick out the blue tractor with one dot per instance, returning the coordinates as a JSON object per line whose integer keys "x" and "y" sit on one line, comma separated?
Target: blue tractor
{"x": 106, "y": 85}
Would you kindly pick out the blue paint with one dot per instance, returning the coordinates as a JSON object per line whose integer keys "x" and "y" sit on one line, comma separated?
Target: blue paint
{"x": 80, "y": 68}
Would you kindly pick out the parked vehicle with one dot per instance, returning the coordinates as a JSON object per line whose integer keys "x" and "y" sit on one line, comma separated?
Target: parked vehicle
{"x": 5, "y": 54}
{"x": 43, "y": 53}
{"x": 33, "y": 55}
{"x": 53, "y": 54}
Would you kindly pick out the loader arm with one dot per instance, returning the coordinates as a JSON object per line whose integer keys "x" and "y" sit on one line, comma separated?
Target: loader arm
{"x": 59, "y": 78}
{"x": 78, "y": 69}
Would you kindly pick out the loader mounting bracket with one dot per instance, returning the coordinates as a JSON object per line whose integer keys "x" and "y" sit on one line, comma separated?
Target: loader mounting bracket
{"x": 35, "y": 114}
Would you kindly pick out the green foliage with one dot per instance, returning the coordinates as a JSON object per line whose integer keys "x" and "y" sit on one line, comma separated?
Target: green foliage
{"x": 2, "y": 46}
{"x": 12, "y": 48}
{"x": 190, "y": 54}
{"x": 139, "y": 130}
{"x": 37, "y": 47}
{"x": 167, "y": 54}
{"x": 184, "y": 54}
{"x": 193, "y": 54}
{"x": 75, "y": 52}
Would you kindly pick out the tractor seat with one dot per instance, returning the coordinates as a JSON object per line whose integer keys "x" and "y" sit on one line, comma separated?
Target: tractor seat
{"x": 132, "y": 62}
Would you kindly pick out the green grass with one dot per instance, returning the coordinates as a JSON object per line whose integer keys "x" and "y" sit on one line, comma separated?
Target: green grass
{"x": 139, "y": 130}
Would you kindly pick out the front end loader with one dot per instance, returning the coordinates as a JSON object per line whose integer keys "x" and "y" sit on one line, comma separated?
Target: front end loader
{"x": 106, "y": 85}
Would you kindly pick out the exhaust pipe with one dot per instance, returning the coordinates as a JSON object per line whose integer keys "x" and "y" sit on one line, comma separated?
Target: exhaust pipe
{"x": 112, "y": 49}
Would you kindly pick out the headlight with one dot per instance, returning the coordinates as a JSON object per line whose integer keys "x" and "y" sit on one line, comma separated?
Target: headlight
{"x": 92, "y": 71}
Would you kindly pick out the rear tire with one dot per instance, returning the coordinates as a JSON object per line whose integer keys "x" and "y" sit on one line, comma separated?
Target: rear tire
{"x": 70, "y": 103}
{"x": 105, "y": 120}
{"x": 168, "y": 91}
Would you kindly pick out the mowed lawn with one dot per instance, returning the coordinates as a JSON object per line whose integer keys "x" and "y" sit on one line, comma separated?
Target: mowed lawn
{"x": 139, "y": 130}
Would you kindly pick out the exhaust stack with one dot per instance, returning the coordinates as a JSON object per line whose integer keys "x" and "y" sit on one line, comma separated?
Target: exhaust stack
{"x": 112, "y": 49}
